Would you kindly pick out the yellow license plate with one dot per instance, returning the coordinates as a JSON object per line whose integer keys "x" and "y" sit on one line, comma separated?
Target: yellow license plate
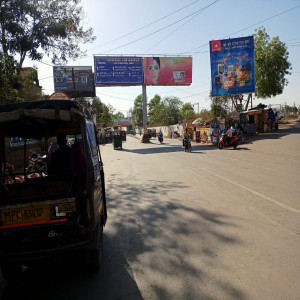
{"x": 25, "y": 215}
{"x": 67, "y": 207}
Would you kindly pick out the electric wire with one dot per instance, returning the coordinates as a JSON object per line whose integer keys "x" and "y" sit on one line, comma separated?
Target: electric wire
{"x": 143, "y": 27}
{"x": 161, "y": 29}
{"x": 267, "y": 19}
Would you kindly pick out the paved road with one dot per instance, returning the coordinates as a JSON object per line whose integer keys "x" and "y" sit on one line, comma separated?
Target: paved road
{"x": 211, "y": 224}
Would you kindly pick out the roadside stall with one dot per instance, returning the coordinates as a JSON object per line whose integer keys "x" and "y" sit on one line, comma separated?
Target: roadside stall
{"x": 259, "y": 117}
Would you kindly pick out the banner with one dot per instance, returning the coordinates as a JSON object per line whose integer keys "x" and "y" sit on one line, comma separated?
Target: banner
{"x": 167, "y": 70}
{"x": 232, "y": 66}
{"x": 118, "y": 70}
{"x": 74, "y": 81}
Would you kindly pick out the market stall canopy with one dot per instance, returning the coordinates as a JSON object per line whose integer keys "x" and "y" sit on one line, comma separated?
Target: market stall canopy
{"x": 198, "y": 121}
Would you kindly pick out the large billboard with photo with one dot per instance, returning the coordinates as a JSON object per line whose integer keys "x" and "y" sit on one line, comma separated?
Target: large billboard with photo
{"x": 111, "y": 71}
{"x": 232, "y": 66}
{"x": 167, "y": 70}
{"x": 74, "y": 81}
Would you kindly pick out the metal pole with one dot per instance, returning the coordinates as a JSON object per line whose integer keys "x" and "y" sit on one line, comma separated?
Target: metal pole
{"x": 144, "y": 107}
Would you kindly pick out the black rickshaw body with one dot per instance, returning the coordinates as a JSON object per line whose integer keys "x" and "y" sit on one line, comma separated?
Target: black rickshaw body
{"x": 44, "y": 214}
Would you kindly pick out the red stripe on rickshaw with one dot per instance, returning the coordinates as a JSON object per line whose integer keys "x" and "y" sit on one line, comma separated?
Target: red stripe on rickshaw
{"x": 34, "y": 223}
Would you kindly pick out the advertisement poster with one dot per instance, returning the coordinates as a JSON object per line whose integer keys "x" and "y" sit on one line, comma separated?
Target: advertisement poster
{"x": 93, "y": 147}
{"x": 232, "y": 66}
{"x": 167, "y": 70}
{"x": 74, "y": 81}
{"x": 118, "y": 70}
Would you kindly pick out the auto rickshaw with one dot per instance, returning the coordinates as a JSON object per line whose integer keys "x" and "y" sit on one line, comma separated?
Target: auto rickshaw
{"x": 117, "y": 140}
{"x": 46, "y": 215}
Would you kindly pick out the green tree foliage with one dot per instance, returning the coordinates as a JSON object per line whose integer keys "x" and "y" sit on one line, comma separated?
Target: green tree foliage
{"x": 171, "y": 107}
{"x": 271, "y": 64}
{"x": 155, "y": 110}
{"x": 187, "y": 112}
{"x": 29, "y": 85}
{"x": 118, "y": 116}
{"x": 205, "y": 114}
{"x": 33, "y": 28}
{"x": 164, "y": 112}
{"x": 97, "y": 108}
{"x": 106, "y": 117}
{"x": 137, "y": 113}
{"x": 9, "y": 72}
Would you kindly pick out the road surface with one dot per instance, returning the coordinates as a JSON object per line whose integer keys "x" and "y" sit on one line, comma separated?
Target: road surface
{"x": 211, "y": 224}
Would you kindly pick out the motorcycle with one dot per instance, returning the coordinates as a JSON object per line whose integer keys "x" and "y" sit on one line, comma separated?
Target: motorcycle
{"x": 37, "y": 163}
{"x": 160, "y": 139}
{"x": 226, "y": 141}
{"x": 241, "y": 137}
{"x": 187, "y": 147}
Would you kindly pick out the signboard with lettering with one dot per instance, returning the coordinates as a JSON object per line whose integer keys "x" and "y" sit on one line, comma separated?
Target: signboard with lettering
{"x": 74, "y": 81}
{"x": 232, "y": 66}
{"x": 111, "y": 71}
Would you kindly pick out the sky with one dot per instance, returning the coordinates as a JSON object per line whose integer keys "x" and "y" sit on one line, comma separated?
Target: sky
{"x": 167, "y": 28}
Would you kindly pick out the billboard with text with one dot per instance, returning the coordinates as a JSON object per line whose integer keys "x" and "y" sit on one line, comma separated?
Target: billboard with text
{"x": 232, "y": 66}
{"x": 167, "y": 70}
{"x": 111, "y": 71}
{"x": 74, "y": 81}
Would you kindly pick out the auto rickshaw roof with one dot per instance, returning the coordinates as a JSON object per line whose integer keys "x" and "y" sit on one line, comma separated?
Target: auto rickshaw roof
{"x": 36, "y": 119}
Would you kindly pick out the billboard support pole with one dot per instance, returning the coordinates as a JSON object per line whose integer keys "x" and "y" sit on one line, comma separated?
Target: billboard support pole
{"x": 145, "y": 138}
{"x": 144, "y": 107}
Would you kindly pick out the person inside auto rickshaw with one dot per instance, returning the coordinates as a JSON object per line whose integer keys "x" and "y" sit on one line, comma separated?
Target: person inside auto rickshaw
{"x": 78, "y": 167}
{"x": 61, "y": 158}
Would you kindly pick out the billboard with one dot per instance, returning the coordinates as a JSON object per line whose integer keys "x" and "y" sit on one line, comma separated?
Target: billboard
{"x": 167, "y": 70}
{"x": 74, "y": 81}
{"x": 110, "y": 71}
{"x": 232, "y": 66}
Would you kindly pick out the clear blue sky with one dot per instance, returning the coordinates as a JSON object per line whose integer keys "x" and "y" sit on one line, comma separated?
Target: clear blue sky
{"x": 112, "y": 19}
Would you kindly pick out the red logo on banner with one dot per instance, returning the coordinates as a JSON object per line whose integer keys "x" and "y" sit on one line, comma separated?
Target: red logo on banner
{"x": 215, "y": 46}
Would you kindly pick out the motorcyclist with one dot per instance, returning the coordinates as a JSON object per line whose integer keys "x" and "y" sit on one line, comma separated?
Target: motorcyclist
{"x": 186, "y": 138}
{"x": 228, "y": 135}
{"x": 160, "y": 135}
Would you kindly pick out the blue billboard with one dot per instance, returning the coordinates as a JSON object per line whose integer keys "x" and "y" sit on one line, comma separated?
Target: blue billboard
{"x": 75, "y": 81}
{"x": 118, "y": 70}
{"x": 232, "y": 66}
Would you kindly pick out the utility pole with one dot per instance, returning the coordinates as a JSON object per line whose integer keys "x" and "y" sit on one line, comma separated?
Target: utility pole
{"x": 198, "y": 106}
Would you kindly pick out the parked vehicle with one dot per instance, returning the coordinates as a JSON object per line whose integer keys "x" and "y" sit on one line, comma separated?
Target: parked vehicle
{"x": 46, "y": 215}
{"x": 37, "y": 163}
{"x": 151, "y": 133}
{"x": 226, "y": 141}
{"x": 187, "y": 146}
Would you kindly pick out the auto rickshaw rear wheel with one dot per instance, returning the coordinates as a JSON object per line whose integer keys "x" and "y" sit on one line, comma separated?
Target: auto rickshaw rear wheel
{"x": 96, "y": 252}
{"x": 12, "y": 272}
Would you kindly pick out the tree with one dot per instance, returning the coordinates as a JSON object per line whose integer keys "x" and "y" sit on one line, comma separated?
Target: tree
{"x": 9, "y": 72}
{"x": 33, "y": 28}
{"x": 155, "y": 110}
{"x": 271, "y": 64}
{"x": 107, "y": 115}
{"x": 156, "y": 100}
{"x": 171, "y": 111}
{"x": 97, "y": 106}
{"x": 118, "y": 116}
{"x": 30, "y": 89}
{"x": 187, "y": 112}
{"x": 137, "y": 113}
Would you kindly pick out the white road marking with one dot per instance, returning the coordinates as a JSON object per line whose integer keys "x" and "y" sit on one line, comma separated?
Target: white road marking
{"x": 290, "y": 208}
